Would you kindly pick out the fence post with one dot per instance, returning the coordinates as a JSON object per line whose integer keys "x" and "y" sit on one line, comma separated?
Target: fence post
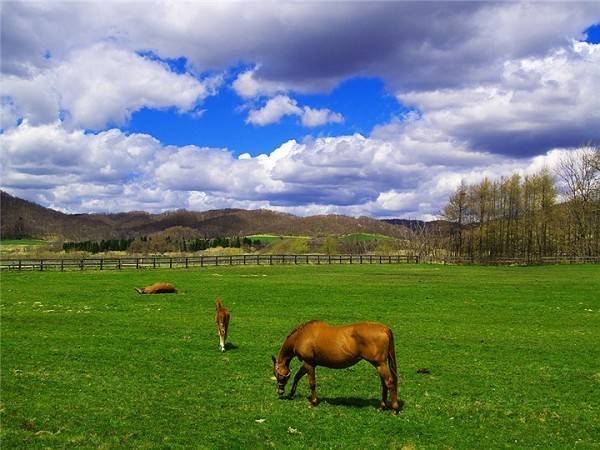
{"x": 202, "y": 261}
{"x": 244, "y": 259}
{"x": 119, "y": 263}
{"x": 216, "y": 260}
{"x": 101, "y": 263}
{"x": 350, "y": 258}
{"x": 295, "y": 259}
{"x": 389, "y": 259}
{"x": 62, "y": 265}
{"x": 137, "y": 263}
{"x": 20, "y": 264}
{"x": 41, "y": 265}
{"x": 154, "y": 263}
{"x": 186, "y": 262}
{"x": 270, "y": 260}
{"x": 81, "y": 265}
{"x": 361, "y": 259}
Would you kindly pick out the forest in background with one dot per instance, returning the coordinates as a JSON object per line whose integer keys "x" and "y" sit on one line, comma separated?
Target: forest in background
{"x": 545, "y": 214}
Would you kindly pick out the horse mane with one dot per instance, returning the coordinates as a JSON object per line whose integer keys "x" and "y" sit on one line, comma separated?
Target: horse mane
{"x": 299, "y": 327}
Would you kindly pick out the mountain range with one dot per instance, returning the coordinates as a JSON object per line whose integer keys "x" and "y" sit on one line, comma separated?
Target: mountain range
{"x": 22, "y": 218}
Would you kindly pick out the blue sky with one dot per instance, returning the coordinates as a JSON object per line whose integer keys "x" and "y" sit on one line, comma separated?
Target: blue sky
{"x": 362, "y": 101}
{"x": 377, "y": 109}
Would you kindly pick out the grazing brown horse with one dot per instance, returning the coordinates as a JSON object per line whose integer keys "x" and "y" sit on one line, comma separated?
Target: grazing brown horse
{"x": 316, "y": 343}
{"x": 157, "y": 288}
{"x": 222, "y": 320}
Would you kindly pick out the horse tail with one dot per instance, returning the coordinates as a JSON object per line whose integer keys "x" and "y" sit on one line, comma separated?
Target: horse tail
{"x": 392, "y": 354}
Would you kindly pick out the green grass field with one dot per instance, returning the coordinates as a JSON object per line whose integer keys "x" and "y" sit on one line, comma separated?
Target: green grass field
{"x": 16, "y": 247}
{"x": 513, "y": 352}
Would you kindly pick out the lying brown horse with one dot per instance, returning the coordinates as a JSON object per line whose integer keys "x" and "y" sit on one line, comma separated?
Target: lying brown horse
{"x": 157, "y": 288}
{"x": 222, "y": 320}
{"x": 316, "y": 343}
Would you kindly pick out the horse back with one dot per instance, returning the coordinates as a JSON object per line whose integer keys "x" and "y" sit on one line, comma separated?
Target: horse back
{"x": 343, "y": 346}
{"x": 222, "y": 318}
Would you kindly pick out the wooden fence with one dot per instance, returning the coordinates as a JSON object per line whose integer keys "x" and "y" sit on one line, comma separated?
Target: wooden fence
{"x": 502, "y": 261}
{"x": 162, "y": 262}
{"x": 197, "y": 261}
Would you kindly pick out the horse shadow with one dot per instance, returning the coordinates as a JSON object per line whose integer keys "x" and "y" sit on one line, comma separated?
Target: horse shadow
{"x": 230, "y": 346}
{"x": 354, "y": 402}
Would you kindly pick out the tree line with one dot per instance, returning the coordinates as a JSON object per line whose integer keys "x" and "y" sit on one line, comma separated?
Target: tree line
{"x": 98, "y": 246}
{"x": 544, "y": 214}
{"x": 164, "y": 244}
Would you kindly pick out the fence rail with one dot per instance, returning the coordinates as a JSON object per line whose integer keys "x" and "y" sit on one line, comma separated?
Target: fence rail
{"x": 503, "y": 261}
{"x": 159, "y": 262}
{"x": 196, "y": 261}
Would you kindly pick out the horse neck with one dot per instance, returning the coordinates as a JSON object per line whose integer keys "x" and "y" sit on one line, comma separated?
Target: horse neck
{"x": 287, "y": 350}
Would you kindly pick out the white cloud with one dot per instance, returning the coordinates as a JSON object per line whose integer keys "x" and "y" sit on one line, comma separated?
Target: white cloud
{"x": 300, "y": 46}
{"x": 282, "y": 105}
{"x": 490, "y": 83}
{"x": 272, "y": 112}
{"x": 536, "y": 104}
{"x": 315, "y": 117}
{"x": 102, "y": 84}
{"x": 248, "y": 86}
{"x": 357, "y": 175}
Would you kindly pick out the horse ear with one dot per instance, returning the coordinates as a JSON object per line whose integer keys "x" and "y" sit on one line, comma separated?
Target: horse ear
{"x": 273, "y": 358}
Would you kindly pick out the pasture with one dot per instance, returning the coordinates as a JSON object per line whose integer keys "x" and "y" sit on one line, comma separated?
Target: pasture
{"x": 513, "y": 355}
{"x": 16, "y": 247}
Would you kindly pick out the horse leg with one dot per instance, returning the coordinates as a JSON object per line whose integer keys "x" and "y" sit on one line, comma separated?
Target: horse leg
{"x": 313, "y": 384}
{"x": 384, "y": 394}
{"x": 221, "y": 337}
{"x": 301, "y": 372}
{"x": 390, "y": 381}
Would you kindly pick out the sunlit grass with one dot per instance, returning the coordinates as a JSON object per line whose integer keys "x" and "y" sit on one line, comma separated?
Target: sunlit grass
{"x": 513, "y": 354}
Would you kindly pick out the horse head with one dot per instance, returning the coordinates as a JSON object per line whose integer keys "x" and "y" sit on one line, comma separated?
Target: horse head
{"x": 282, "y": 374}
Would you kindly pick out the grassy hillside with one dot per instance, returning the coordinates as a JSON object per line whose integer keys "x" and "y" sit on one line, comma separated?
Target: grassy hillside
{"x": 512, "y": 354}
{"x": 21, "y": 218}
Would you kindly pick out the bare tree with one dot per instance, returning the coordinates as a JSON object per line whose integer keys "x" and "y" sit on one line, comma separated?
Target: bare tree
{"x": 581, "y": 177}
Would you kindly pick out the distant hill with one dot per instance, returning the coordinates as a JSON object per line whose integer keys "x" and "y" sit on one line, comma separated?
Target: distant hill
{"x": 21, "y": 218}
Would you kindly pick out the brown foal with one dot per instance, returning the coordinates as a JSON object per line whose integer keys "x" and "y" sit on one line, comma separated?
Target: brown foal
{"x": 222, "y": 320}
{"x": 316, "y": 343}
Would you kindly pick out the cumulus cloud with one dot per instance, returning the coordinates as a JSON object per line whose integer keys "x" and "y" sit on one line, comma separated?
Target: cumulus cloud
{"x": 100, "y": 85}
{"x": 353, "y": 174}
{"x": 282, "y": 105}
{"x": 247, "y": 86}
{"x": 537, "y": 103}
{"x": 489, "y": 82}
{"x": 312, "y": 117}
{"x": 412, "y": 46}
{"x": 272, "y": 112}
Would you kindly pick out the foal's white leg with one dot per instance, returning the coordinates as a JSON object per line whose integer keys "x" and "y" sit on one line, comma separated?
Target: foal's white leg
{"x": 222, "y": 342}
